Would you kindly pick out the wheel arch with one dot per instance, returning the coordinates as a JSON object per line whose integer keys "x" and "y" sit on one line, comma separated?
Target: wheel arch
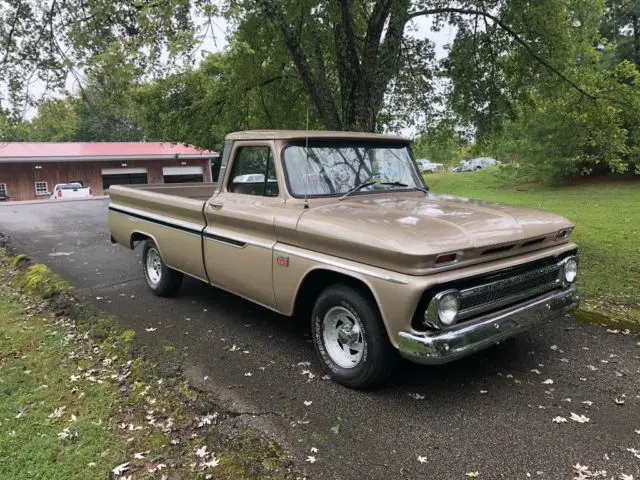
{"x": 318, "y": 279}
{"x": 138, "y": 236}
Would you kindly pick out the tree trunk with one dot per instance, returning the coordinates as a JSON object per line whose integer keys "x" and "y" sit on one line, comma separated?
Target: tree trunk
{"x": 636, "y": 41}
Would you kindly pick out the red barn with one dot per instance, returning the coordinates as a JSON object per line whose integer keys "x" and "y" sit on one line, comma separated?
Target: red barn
{"x": 29, "y": 171}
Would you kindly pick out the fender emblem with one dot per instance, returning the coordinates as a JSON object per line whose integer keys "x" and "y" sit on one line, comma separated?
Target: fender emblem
{"x": 282, "y": 261}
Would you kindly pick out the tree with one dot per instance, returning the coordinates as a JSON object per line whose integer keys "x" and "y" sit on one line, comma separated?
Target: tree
{"x": 55, "y": 122}
{"x": 621, "y": 27}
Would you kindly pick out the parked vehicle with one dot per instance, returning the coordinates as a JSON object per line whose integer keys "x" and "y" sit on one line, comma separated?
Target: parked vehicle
{"x": 475, "y": 164}
{"x": 348, "y": 238}
{"x": 69, "y": 191}
{"x": 427, "y": 166}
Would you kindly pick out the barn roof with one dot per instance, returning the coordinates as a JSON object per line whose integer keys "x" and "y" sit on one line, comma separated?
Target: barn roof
{"x": 19, "y": 152}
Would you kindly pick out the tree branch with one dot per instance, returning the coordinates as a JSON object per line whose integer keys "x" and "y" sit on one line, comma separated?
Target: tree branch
{"x": 317, "y": 87}
{"x": 518, "y": 39}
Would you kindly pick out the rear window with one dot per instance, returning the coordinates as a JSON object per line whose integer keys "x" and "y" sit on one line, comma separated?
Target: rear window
{"x": 70, "y": 186}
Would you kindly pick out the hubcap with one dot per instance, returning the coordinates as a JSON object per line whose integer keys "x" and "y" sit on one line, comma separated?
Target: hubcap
{"x": 154, "y": 267}
{"x": 342, "y": 334}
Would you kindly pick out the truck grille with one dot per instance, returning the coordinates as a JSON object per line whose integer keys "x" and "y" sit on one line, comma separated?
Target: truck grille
{"x": 508, "y": 290}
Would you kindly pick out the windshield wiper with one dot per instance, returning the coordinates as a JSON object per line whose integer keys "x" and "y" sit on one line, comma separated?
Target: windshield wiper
{"x": 400, "y": 184}
{"x": 365, "y": 184}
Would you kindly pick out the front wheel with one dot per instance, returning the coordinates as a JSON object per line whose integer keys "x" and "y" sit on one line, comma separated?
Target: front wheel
{"x": 350, "y": 338}
{"x": 162, "y": 280}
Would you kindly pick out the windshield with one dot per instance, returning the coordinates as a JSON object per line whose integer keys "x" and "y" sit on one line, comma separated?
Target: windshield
{"x": 336, "y": 168}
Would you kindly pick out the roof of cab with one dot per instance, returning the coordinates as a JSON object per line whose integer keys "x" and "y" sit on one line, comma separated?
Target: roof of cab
{"x": 311, "y": 134}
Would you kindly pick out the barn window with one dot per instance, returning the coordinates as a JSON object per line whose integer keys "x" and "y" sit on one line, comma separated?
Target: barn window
{"x": 42, "y": 188}
{"x": 3, "y": 189}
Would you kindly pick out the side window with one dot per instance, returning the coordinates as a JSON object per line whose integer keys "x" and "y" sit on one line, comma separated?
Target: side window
{"x": 253, "y": 172}
{"x": 3, "y": 189}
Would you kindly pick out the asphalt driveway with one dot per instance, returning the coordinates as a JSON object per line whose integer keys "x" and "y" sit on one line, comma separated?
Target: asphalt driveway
{"x": 492, "y": 413}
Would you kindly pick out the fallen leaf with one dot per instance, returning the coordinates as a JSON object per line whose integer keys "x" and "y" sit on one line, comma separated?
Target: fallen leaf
{"x": 559, "y": 420}
{"x": 213, "y": 462}
{"x": 579, "y": 418}
{"x": 151, "y": 329}
{"x": 313, "y": 450}
{"x": 58, "y": 412}
{"x": 422, "y": 459}
{"x": 548, "y": 381}
{"x": 619, "y": 401}
{"x": 416, "y": 396}
{"x": 311, "y": 459}
{"x": 120, "y": 469}
{"x": 201, "y": 452}
{"x": 536, "y": 371}
{"x": 307, "y": 403}
{"x": 472, "y": 474}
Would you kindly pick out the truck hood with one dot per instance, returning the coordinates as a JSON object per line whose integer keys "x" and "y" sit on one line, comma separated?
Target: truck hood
{"x": 406, "y": 233}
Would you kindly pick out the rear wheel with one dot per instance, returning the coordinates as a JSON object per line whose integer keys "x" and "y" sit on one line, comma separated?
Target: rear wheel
{"x": 162, "y": 280}
{"x": 350, "y": 338}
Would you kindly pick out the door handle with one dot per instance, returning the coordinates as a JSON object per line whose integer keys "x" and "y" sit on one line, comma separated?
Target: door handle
{"x": 216, "y": 205}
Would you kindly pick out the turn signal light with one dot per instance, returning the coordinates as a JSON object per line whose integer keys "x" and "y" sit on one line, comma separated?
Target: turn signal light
{"x": 446, "y": 258}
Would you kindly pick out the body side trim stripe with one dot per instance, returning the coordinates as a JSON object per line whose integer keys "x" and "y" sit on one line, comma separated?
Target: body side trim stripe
{"x": 186, "y": 227}
{"x": 337, "y": 263}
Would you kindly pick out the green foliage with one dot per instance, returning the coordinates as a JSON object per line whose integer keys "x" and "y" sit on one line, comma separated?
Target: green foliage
{"x": 567, "y": 135}
{"x": 55, "y": 122}
{"x": 439, "y": 143}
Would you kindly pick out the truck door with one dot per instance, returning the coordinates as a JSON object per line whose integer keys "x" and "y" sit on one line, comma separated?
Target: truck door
{"x": 240, "y": 236}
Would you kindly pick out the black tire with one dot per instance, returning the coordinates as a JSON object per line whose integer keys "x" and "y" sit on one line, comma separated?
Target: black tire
{"x": 170, "y": 280}
{"x": 379, "y": 357}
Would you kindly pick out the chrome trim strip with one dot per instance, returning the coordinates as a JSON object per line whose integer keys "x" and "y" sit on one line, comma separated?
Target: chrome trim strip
{"x": 194, "y": 227}
{"x": 217, "y": 235}
{"x": 339, "y": 264}
{"x": 445, "y": 346}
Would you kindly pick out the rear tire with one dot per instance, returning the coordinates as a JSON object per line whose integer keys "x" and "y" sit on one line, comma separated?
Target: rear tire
{"x": 350, "y": 338}
{"x": 161, "y": 280}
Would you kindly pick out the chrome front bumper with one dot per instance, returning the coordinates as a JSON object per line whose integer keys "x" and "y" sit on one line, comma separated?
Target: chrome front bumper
{"x": 443, "y": 346}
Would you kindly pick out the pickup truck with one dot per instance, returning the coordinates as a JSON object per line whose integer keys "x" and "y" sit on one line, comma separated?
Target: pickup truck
{"x": 339, "y": 230}
{"x": 70, "y": 191}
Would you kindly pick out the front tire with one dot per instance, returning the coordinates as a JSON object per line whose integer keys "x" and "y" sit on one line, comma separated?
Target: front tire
{"x": 161, "y": 280}
{"x": 350, "y": 338}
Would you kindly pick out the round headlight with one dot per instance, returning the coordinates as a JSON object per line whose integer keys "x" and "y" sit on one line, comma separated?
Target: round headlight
{"x": 570, "y": 270}
{"x": 448, "y": 306}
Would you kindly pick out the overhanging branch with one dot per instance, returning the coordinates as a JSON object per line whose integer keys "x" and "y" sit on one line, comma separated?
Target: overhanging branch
{"x": 516, "y": 37}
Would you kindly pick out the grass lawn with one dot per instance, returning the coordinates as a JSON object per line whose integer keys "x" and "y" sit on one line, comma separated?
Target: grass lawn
{"x": 607, "y": 219}
{"x": 78, "y": 399}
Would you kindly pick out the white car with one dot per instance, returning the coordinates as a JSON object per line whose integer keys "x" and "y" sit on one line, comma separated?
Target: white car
{"x": 70, "y": 191}
{"x": 249, "y": 178}
{"x": 428, "y": 166}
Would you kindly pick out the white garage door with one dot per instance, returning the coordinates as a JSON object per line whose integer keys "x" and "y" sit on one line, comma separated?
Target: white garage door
{"x": 182, "y": 174}
{"x": 181, "y": 171}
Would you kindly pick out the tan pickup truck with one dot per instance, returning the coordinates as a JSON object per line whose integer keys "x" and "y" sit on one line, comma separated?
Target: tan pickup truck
{"x": 339, "y": 230}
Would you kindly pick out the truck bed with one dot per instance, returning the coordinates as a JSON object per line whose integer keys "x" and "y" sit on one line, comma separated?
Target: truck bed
{"x": 196, "y": 191}
{"x": 170, "y": 214}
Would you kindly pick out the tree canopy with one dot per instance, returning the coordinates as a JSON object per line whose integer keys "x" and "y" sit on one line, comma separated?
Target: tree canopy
{"x": 516, "y": 75}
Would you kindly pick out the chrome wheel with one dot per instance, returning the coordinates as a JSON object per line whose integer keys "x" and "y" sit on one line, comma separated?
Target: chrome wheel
{"x": 154, "y": 267}
{"x": 342, "y": 335}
